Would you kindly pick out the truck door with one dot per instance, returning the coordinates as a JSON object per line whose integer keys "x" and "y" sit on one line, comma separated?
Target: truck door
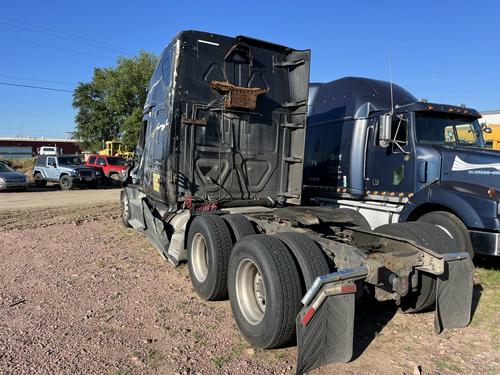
{"x": 156, "y": 153}
{"x": 52, "y": 169}
{"x": 390, "y": 169}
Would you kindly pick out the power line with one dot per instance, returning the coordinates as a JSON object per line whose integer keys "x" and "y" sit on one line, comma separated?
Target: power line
{"x": 55, "y": 47}
{"x": 38, "y": 80}
{"x": 58, "y": 34}
{"x": 34, "y": 87}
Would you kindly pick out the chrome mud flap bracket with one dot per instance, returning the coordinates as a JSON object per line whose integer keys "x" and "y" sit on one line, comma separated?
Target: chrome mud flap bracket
{"x": 454, "y": 289}
{"x": 325, "y": 325}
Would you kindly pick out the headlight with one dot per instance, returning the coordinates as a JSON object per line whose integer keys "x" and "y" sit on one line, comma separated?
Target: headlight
{"x": 2, "y": 181}
{"x": 498, "y": 208}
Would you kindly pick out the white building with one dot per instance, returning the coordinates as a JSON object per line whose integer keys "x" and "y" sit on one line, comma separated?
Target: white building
{"x": 490, "y": 117}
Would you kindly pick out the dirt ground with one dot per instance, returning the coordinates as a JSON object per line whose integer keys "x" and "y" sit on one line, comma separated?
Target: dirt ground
{"x": 79, "y": 293}
{"x": 54, "y": 197}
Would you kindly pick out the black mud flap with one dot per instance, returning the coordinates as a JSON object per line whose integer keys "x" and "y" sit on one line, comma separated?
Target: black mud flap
{"x": 155, "y": 231}
{"x": 454, "y": 293}
{"x": 327, "y": 336}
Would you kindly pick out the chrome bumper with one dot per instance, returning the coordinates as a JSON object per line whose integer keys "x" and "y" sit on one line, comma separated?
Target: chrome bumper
{"x": 485, "y": 242}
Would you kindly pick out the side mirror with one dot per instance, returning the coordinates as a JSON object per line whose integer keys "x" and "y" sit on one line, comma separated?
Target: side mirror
{"x": 52, "y": 164}
{"x": 384, "y": 134}
{"x": 487, "y": 130}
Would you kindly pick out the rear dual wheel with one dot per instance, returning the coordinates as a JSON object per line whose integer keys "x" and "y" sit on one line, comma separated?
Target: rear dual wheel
{"x": 265, "y": 276}
{"x": 209, "y": 247}
{"x": 210, "y": 241}
{"x": 268, "y": 275}
{"x": 264, "y": 290}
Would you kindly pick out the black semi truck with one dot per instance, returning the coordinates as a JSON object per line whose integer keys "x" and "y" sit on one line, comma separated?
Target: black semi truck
{"x": 217, "y": 182}
{"x": 373, "y": 147}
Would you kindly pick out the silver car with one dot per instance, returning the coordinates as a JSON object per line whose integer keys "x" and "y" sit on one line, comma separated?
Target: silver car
{"x": 10, "y": 179}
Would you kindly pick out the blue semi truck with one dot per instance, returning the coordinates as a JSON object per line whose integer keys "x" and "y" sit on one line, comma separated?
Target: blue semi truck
{"x": 217, "y": 182}
{"x": 373, "y": 147}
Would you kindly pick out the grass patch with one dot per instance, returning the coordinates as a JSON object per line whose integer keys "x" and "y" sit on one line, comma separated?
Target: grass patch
{"x": 446, "y": 364}
{"x": 153, "y": 358}
{"x": 489, "y": 277}
{"x": 489, "y": 301}
{"x": 220, "y": 361}
{"x": 201, "y": 338}
{"x": 235, "y": 351}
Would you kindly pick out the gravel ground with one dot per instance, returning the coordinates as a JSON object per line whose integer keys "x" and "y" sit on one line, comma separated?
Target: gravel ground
{"x": 81, "y": 294}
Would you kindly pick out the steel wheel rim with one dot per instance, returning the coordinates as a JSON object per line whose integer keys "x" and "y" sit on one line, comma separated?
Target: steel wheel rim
{"x": 250, "y": 291}
{"x": 199, "y": 257}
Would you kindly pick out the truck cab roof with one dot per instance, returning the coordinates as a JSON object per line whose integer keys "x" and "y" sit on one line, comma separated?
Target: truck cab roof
{"x": 357, "y": 97}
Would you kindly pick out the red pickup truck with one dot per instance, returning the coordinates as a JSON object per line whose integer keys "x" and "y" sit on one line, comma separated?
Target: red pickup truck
{"x": 112, "y": 167}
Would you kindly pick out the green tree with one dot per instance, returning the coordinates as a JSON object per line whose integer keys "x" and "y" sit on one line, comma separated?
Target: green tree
{"x": 110, "y": 106}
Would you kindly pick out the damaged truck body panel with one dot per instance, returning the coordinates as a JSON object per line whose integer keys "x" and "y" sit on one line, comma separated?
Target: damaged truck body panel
{"x": 217, "y": 181}
{"x": 196, "y": 145}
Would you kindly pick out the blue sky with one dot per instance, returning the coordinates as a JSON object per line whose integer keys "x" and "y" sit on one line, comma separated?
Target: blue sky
{"x": 445, "y": 51}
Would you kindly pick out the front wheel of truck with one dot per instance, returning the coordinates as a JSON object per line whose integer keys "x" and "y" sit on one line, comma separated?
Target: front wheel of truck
{"x": 66, "y": 182}
{"x": 125, "y": 208}
{"x": 453, "y": 227}
{"x": 209, "y": 247}
{"x": 264, "y": 290}
{"x": 431, "y": 237}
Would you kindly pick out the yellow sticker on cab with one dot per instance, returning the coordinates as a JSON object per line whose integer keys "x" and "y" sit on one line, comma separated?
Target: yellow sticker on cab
{"x": 156, "y": 182}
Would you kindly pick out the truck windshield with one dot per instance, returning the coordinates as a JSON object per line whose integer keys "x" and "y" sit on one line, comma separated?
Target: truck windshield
{"x": 69, "y": 160}
{"x": 116, "y": 161}
{"x": 434, "y": 129}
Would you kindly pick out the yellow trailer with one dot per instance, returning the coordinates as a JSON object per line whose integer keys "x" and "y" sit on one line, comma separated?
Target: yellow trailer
{"x": 492, "y": 139}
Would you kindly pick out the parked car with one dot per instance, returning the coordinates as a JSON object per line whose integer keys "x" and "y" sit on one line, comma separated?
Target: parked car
{"x": 10, "y": 179}
{"x": 112, "y": 167}
{"x": 66, "y": 170}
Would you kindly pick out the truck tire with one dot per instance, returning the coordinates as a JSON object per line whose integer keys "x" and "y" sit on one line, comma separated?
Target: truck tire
{"x": 125, "y": 209}
{"x": 453, "y": 227}
{"x": 308, "y": 257}
{"x": 66, "y": 182}
{"x": 427, "y": 236}
{"x": 114, "y": 179}
{"x": 358, "y": 219}
{"x": 239, "y": 226}
{"x": 94, "y": 184}
{"x": 209, "y": 247}
{"x": 39, "y": 181}
{"x": 264, "y": 290}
